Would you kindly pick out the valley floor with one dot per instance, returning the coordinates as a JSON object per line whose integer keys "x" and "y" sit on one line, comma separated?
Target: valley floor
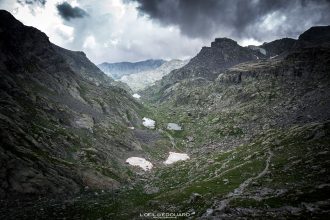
{"x": 280, "y": 173}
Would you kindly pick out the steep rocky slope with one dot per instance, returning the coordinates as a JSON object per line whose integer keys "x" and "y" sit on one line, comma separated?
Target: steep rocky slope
{"x": 141, "y": 80}
{"x": 80, "y": 64}
{"x": 277, "y": 47}
{"x": 64, "y": 125}
{"x": 117, "y": 70}
{"x": 222, "y": 54}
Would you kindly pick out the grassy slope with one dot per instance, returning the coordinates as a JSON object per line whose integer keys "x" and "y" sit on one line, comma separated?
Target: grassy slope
{"x": 277, "y": 170}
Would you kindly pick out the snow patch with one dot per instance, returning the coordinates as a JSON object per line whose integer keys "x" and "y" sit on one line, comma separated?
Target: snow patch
{"x": 141, "y": 162}
{"x": 174, "y": 126}
{"x": 149, "y": 123}
{"x": 137, "y": 96}
{"x": 175, "y": 157}
{"x": 263, "y": 51}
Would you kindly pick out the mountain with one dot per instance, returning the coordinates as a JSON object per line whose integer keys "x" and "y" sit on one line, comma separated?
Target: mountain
{"x": 225, "y": 53}
{"x": 277, "y": 47}
{"x": 316, "y": 35}
{"x": 222, "y": 54}
{"x": 117, "y": 70}
{"x": 251, "y": 137}
{"x": 141, "y": 80}
{"x": 64, "y": 125}
{"x": 258, "y": 134}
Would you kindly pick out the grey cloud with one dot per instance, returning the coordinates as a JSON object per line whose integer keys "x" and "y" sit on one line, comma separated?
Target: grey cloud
{"x": 237, "y": 18}
{"x": 32, "y": 2}
{"x": 68, "y": 12}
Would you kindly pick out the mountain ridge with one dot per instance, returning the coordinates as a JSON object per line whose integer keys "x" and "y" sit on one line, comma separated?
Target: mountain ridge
{"x": 210, "y": 69}
{"x": 117, "y": 70}
{"x": 60, "y": 117}
{"x": 141, "y": 80}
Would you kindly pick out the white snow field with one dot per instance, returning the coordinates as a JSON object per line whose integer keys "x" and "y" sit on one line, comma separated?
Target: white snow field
{"x": 149, "y": 123}
{"x": 175, "y": 157}
{"x": 141, "y": 162}
{"x": 137, "y": 96}
{"x": 174, "y": 127}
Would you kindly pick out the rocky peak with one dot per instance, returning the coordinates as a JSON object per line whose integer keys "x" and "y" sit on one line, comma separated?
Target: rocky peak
{"x": 223, "y": 43}
{"x": 8, "y": 24}
{"x": 8, "y": 21}
{"x": 317, "y": 34}
{"x": 222, "y": 54}
{"x": 278, "y": 47}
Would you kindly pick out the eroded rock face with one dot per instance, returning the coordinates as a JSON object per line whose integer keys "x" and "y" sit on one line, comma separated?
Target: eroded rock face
{"x": 85, "y": 121}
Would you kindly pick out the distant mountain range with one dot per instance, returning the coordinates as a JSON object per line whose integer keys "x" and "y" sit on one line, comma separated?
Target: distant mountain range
{"x": 143, "y": 79}
{"x": 117, "y": 70}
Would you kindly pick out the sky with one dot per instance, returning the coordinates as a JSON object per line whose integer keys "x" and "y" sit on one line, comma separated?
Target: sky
{"x": 135, "y": 30}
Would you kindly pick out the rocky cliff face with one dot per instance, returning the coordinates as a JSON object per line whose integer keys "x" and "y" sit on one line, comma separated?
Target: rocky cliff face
{"x": 63, "y": 123}
{"x": 222, "y": 54}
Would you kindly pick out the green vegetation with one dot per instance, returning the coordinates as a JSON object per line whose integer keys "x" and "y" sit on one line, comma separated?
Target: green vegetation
{"x": 290, "y": 178}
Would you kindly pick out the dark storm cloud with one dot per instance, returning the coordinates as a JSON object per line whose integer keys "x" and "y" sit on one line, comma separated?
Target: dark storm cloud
{"x": 32, "y": 2}
{"x": 68, "y": 12}
{"x": 202, "y": 18}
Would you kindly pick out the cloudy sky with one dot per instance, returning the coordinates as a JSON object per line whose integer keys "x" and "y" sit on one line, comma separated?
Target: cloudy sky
{"x": 134, "y": 30}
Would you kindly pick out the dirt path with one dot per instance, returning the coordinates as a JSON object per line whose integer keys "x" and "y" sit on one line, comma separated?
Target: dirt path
{"x": 239, "y": 191}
